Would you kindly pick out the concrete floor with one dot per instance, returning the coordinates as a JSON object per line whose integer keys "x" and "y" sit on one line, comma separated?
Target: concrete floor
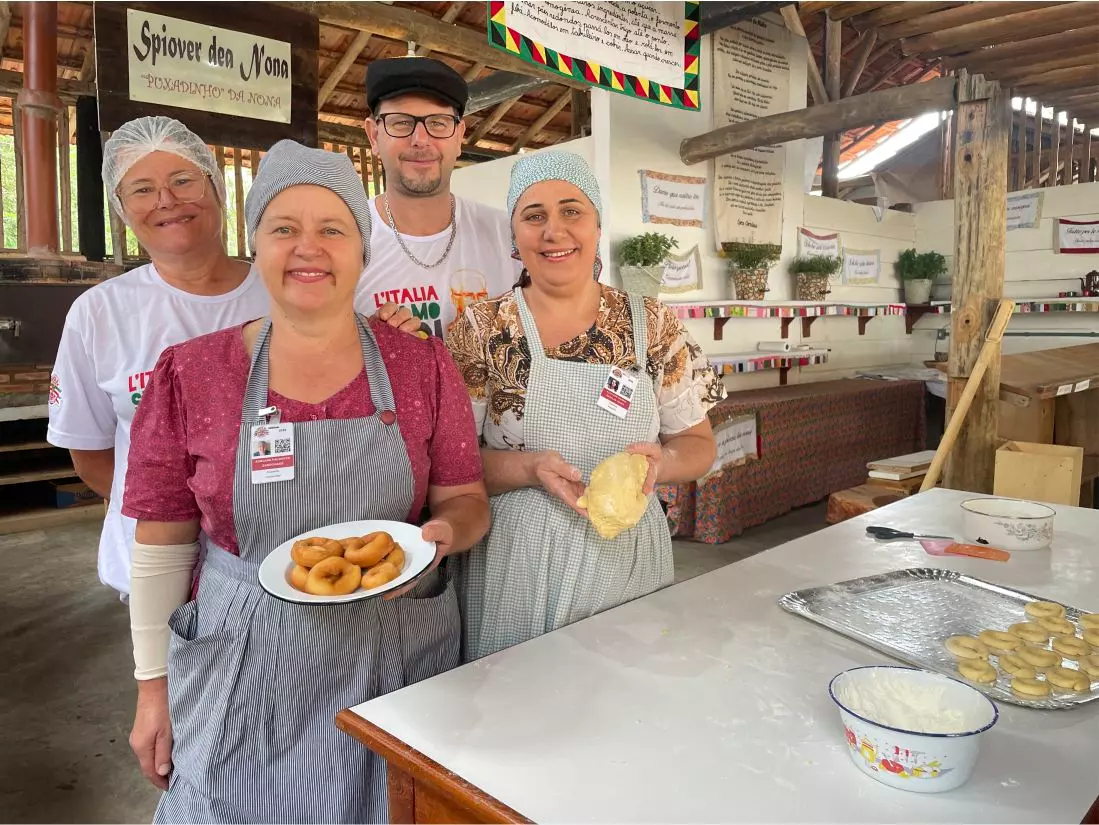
{"x": 66, "y": 676}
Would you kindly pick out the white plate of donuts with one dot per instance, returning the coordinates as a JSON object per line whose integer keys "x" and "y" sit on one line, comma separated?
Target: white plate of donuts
{"x": 346, "y": 562}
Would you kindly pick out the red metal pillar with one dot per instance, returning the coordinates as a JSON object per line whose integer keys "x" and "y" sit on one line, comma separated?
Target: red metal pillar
{"x": 39, "y": 106}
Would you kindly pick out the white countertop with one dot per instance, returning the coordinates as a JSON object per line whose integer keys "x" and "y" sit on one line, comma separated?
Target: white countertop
{"x": 708, "y": 702}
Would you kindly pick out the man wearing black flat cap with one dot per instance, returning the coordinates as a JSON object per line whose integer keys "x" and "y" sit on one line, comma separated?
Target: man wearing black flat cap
{"x": 430, "y": 251}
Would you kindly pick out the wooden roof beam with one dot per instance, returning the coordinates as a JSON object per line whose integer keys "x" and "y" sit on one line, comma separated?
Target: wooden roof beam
{"x": 403, "y": 25}
{"x": 5, "y": 23}
{"x": 1058, "y": 78}
{"x": 1012, "y": 27}
{"x": 1040, "y": 47}
{"x": 861, "y": 59}
{"x": 892, "y": 13}
{"x": 538, "y": 125}
{"x": 11, "y": 83}
{"x": 816, "y": 83}
{"x": 828, "y": 118}
{"x": 809, "y": 9}
{"x": 1010, "y": 74}
{"x": 485, "y": 126}
{"x": 954, "y": 17}
{"x": 842, "y": 11}
{"x": 359, "y": 43}
{"x": 449, "y": 16}
{"x": 501, "y": 86}
{"x": 1071, "y": 56}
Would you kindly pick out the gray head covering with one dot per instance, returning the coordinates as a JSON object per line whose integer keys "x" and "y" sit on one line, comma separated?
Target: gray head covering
{"x": 553, "y": 165}
{"x": 291, "y": 164}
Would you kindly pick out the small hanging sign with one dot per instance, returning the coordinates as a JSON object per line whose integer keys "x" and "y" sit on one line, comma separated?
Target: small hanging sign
{"x": 682, "y": 273}
{"x": 1077, "y": 237}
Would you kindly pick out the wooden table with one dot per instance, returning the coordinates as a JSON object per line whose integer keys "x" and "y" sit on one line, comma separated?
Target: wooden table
{"x": 707, "y": 702}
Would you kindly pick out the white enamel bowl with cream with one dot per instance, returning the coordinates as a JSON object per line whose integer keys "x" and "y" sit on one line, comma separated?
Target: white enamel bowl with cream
{"x": 1007, "y": 523}
{"x": 909, "y": 728}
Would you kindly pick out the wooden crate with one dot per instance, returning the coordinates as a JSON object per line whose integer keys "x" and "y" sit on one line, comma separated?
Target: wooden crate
{"x": 1049, "y": 473}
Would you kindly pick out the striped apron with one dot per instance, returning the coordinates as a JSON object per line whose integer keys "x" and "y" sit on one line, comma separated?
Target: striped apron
{"x": 543, "y": 566}
{"x": 254, "y": 682}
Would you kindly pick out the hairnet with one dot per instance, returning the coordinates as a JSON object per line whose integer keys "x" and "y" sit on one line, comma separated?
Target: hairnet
{"x": 291, "y": 164}
{"x": 137, "y": 138}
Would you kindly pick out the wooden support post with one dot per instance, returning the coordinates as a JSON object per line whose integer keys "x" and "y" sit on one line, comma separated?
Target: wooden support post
{"x": 1085, "y": 164}
{"x": 829, "y": 176}
{"x": 1070, "y": 141}
{"x": 64, "y": 182}
{"x": 90, "y": 218}
{"x": 238, "y": 182}
{"x": 378, "y": 173}
{"x": 980, "y": 189}
{"x": 253, "y": 162}
{"x": 1039, "y": 136}
{"x": 1054, "y": 149}
{"x": 581, "y": 113}
{"x": 869, "y": 39}
{"x": 20, "y": 201}
{"x": 1020, "y": 147}
{"x": 837, "y": 116}
{"x": 364, "y": 169}
{"x": 219, "y": 159}
{"x": 37, "y": 106}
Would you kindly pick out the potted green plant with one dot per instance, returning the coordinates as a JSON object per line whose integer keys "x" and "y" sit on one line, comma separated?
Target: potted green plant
{"x": 917, "y": 271}
{"x": 812, "y": 276}
{"x": 641, "y": 261}
{"x": 748, "y": 265}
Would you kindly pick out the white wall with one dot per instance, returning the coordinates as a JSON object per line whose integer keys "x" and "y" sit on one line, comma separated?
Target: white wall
{"x": 1032, "y": 270}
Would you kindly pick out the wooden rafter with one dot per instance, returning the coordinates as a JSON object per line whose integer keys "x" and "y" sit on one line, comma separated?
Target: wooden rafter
{"x": 1058, "y": 79}
{"x": 855, "y": 73}
{"x": 1030, "y": 49}
{"x": 833, "y": 45}
{"x": 896, "y": 12}
{"x": 449, "y": 16}
{"x": 538, "y": 125}
{"x": 1006, "y": 29}
{"x": 359, "y": 43}
{"x": 485, "y": 126}
{"x": 816, "y": 84}
{"x": 841, "y": 11}
{"x": 1022, "y": 70}
{"x": 953, "y": 17}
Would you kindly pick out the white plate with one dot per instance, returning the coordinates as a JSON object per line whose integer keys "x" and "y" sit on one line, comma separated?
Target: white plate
{"x": 275, "y": 570}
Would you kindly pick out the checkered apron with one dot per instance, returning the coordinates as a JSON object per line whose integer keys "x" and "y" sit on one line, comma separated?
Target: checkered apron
{"x": 254, "y": 683}
{"x": 542, "y": 566}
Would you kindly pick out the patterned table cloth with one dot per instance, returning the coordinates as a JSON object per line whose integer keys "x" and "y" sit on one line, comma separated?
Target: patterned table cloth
{"x": 815, "y": 439}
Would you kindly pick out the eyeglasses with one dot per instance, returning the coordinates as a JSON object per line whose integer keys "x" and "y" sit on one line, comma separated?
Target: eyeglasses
{"x": 400, "y": 125}
{"x": 186, "y": 187}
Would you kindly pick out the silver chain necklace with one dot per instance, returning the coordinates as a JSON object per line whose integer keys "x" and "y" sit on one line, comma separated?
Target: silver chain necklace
{"x": 407, "y": 251}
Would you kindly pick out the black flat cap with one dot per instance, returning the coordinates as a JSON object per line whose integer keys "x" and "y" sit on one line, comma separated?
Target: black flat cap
{"x": 415, "y": 75}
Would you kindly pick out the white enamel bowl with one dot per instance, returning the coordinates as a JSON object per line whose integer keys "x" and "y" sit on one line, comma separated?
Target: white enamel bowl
{"x": 1007, "y": 523}
{"x": 913, "y": 761}
{"x": 274, "y": 571}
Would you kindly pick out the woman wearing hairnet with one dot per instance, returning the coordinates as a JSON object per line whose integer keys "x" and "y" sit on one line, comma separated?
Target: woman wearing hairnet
{"x": 563, "y": 373}
{"x": 162, "y": 180}
{"x": 237, "y": 690}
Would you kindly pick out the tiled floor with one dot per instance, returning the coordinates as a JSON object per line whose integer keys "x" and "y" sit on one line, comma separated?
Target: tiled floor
{"x": 66, "y": 684}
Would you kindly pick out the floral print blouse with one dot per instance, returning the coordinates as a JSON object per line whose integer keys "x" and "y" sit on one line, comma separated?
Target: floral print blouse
{"x": 493, "y": 355}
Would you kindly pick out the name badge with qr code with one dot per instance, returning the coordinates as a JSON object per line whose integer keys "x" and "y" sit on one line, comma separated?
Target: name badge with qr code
{"x": 617, "y": 393}
{"x": 272, "y": 448}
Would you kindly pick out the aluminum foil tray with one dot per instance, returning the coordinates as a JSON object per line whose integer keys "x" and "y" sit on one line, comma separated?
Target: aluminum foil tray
{"x": 908, "y": 614}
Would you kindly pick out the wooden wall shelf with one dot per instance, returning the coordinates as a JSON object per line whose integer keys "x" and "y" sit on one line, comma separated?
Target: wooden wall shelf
{"x": 722, "y": 311}
{"x": 741, "y": 363}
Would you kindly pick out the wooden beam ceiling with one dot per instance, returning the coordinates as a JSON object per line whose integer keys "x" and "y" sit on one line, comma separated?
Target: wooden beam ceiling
{"x": 892, "y": 13}
{"x": 359, "y": 43}
{"x": 953, "y": 17}
{"x": 1034, "y": 48}
{"x": 403, "y": 25}
{"x": 854, "y": 74}
{"x": 1010, "y": 74}
{"x": 816, "y": 84}
{"x": 842, "y": 11}
{"x": 483, "y": 128}
{"x": 1012, "y": 27}
{"x": 1056, "y": 79}
{"x": 538, "y": 125}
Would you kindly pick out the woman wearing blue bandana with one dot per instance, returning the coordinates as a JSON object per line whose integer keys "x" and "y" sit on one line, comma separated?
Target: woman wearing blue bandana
{"x": 538, "y": 363}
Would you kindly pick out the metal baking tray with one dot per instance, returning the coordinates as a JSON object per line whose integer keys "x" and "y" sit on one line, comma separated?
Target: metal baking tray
{"x": 908, "y": 614}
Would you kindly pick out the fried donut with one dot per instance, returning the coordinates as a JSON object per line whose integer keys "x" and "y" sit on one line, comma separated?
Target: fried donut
{"x": 1017, "y": 666}
{"x": 1039, "y": 658}
{"x": 375, "y": 547}
{"x": 976, "y": 670}
{"x": 396, "y": 557}
{"x": 1058, "y": 627}
{"x": 334, "y": 576}
{"x": 966, "y": 647}
{"x": 1091, "y": 637}
{"x": 1030, "y": 688}
{"x": 999, "y": 642}
{"x": 298, "y": 576}
{"x": 1067, "y": 679}
{"x": 1071, "y": 647}
{"x": 1089, "y": 620}
{"x": 1045, "y": 610}
{"x": 311, "y": 551}
{"x": 1030, "y": 632}
{"x": 1090, "y": 666}
{"x": 378, "y": 575}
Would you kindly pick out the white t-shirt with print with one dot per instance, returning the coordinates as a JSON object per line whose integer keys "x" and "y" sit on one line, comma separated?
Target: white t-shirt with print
{"x": 479, "y": 266}
{"x": 113, "y": 335}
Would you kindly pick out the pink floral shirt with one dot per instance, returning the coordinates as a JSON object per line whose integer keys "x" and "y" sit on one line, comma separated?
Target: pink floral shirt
{"x": 184, "y": 439}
